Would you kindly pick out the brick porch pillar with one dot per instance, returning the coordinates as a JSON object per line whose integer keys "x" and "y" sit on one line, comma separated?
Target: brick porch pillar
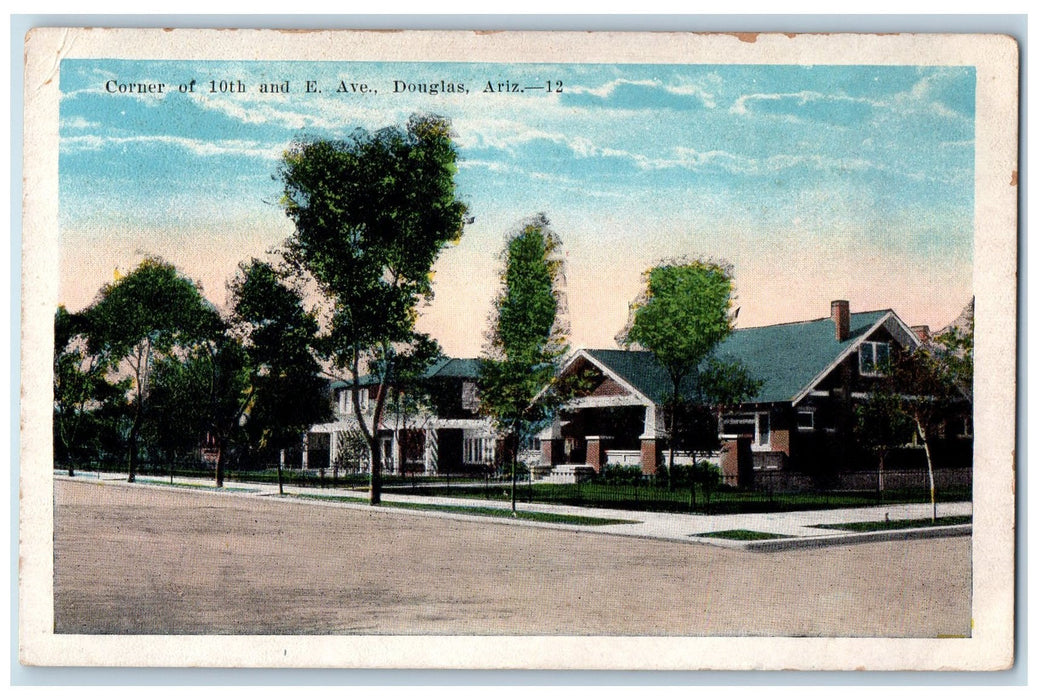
{"x": 730, "y": 462}
{"x": 650, "y": 456}
{"x": 551, "y": 451}
{"x": 595, "y": 452}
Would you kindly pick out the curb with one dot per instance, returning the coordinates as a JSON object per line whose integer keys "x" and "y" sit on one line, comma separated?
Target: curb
{"x": 793, "y": 542}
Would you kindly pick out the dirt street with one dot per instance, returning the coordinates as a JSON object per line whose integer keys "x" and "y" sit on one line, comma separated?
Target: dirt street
{"x": 148, "y": 560}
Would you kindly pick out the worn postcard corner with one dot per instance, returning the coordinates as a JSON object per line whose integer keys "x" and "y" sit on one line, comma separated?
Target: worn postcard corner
{"x": 546, "y": 350}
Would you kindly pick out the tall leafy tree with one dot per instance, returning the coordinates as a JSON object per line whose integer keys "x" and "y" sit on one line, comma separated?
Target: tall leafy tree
{"x": 372, "y": 214}
{"x": 149, "y": 313}
{"x": 682, "y": 315}
{"x": 286, "y": 392}
{"x": 527, "y": 340}
{"x": 81, "y": 388}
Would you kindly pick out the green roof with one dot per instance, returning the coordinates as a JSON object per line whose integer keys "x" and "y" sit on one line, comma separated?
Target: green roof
{"x": 785, "y": 357}
{"x": 451, "y": 368}
{"x": 456, "y": 367}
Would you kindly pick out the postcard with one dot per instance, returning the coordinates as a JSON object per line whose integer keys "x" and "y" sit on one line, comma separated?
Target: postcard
{"x": 541, "y": 350}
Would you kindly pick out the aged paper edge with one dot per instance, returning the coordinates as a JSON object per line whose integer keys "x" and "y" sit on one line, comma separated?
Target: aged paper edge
{"x": 995, "y": 269}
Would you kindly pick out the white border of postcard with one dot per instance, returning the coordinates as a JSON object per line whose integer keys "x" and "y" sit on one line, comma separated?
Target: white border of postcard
{"x": 995, "y": 267}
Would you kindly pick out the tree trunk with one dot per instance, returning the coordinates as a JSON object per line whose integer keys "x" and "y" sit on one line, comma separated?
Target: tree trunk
{"x": 220, "y": 444}
{"x": 879, "y": 479}
{"x": 670, "y": 451}
{"x": 376, "y": 469}
{"x": 515, "y": 460}
{"x": 929, "y": 470}
{"x": 131, "y": 445}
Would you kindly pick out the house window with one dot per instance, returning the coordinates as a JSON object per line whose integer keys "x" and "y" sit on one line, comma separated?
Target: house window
{"x": 757, "y": 425}
{"x": 469, "y": 396}
{"x": 478, "y": 450}
{"x": 873, "y": 359}
{"x": 530, "y": 443}
{"x": 805, "y": 420}
{"x": 346, "y": 401}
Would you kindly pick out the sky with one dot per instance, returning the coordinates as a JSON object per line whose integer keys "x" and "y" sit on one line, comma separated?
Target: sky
{"x": 815, "y": 182}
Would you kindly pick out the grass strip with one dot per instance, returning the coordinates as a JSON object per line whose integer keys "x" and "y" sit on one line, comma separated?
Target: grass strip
{"x": 880, "y": 525}
{"x": 744, "y": 535}
{"x": 535, "y": 516}
{"x": 201, "y": 487}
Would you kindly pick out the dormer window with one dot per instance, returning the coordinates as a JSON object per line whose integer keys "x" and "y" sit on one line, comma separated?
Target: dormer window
{"x": 873, "y": 359}
{"x": 469, "y": 396}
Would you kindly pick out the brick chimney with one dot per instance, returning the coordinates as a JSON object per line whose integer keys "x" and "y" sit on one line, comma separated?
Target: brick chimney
{"x": 922, "y": 332}
{"x": 841, "y": 314}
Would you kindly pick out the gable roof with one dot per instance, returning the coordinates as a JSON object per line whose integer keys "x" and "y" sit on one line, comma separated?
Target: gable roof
{"x": 448, "y": 368}
{"x": 456, "y": 368}
{"x": 788, "y": 358}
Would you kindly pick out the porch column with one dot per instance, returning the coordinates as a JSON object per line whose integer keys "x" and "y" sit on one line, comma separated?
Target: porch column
{"x": 306, "y": 450}
{"x": 730, "y": 462}
{"x": 596, "y": 451}
{"x": 395, "y": 449}
{"x": 333, "y": 447}
{"x": 649, "y": 436}
{"x": 431, "y": 451}
{"x": 551, "y": 443}
{"x": 281, "y": 458}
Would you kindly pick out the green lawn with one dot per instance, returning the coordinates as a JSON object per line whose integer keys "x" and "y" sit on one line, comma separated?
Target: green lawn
{"x": 649, "y": 498}
{"x": 742, "y": 535}
{"x": 479, "y": 510}
{"x": 203, "y": 487}
{"x": 879, "y": 525}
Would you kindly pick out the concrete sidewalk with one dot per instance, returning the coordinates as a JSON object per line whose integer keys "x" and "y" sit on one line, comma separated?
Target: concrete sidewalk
{"x": 791, "y": 529}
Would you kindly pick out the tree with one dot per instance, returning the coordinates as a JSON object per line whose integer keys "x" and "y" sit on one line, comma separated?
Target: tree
{"x": 372, "y": 214}
{"x": 286, "y": 393}
{"x": 881, "y": 424}
{"x": 150, "y": 312}
{"x": 681, "y": 317}
{"x": 80, "y": 387}
{"x": 933, "y": 383}
{"x": 527, "y": 340}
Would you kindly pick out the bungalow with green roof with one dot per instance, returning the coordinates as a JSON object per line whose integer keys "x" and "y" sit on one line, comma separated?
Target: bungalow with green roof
{"x": 810, "y": 372}
{"x": 447, "y": 435}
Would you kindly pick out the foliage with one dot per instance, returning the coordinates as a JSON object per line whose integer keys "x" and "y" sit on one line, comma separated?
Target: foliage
{"x": 881, "y": 424}
{"x": 923, "y": 390}
{"x": 404, "y": 371}
{"x": 352, "y": 453}
{"x": 684, "y": 313}
{"x": 527, "y": 340}
{"x": 86, "y": 404}
{"x": 279, "y": 336}
{"x": 372, "y": 214}
{"x": 619, "y": 475}
{"x": 151, "y": 312}
{"x": 681, "y": 317}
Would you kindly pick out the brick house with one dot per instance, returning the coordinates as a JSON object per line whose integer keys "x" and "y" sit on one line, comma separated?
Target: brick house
{"x": 445, "y": 436}
{"x": 799, "y": 422}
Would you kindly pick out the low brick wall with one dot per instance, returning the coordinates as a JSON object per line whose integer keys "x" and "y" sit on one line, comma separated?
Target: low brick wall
{"x": 791, "y": 481}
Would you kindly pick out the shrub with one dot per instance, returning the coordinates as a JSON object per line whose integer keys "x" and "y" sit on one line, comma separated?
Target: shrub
{"x": 619, "y": 475}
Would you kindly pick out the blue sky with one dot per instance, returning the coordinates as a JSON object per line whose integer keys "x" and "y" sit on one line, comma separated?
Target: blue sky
{"x": 817, "y": 182}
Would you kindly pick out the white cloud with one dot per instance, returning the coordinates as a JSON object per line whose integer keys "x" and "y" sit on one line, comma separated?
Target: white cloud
{"x": 685, "y": 88}
{"x": 232, "y": 147}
